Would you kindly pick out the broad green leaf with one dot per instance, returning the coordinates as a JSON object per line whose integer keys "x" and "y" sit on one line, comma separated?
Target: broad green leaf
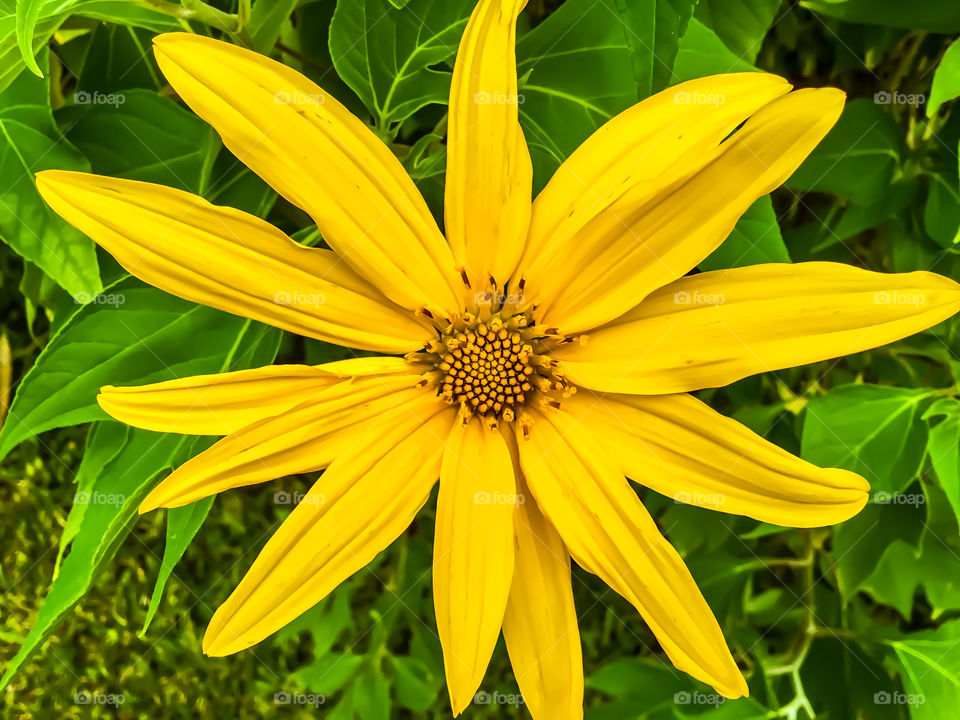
{"x": 873, "y": 430}
{"x": 859, "y": 543}
{"x": 702, "y": 53}
{"x": 28, "y": 12}
{"x": 329, "y": 673}
{"x": 740, "y": 24}
{"x": 371, "y": 695}
{"x": 653, "y": 29}
{"x": 138, "y": 458}
{"x": 943, "y": 447}
{"x": 561, "y": 101}
{"x": 946, "y": 79}
{"x": 755, "y": 239}
{"x": 117, "y": 58}
{"x": 387, "y": 56}
{"x": 941, "y": 214}
{"x": 129, "y": 335}
{"x": 932, "y": 15}
{"x": 415, "y": 683}
{"x": 182, "y": 526}
{"x": 143, "y": 136}
{"x": 267, "y": 20}
{"x": 30, "y": 142}
{"x": 931, "y": 670}
{"x": 857, "y": 158}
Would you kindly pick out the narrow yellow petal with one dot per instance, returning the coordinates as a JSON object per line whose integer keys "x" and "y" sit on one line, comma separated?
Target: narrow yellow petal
{"x": 335, "y": 530}
{"x": 644, "y": 149}
{"x": 711, "y": 329}
{"x": 472, "y": 554}
{"x": 227, "y": 402}
{"x": 229, "y": 260}
{"x": 540, "y": 624}
{"x": 304, "y": 439}
{"x": 489, "y": 174}
{"x": 641, "y": 242}
{"x": 320, "y": 157}
{"x": 684, "y": 449}
{"x": 608, "y": 531}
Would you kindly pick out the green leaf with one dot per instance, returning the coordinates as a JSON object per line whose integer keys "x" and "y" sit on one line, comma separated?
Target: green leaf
{"x": 857, "y": 158}
{"x": 943, "y": 447}
{"x": 387, "y": 55}
{"x": 873, "y": 430}
{"x": 755, "y": 239}
{"x": 182, "y": 526}
{"x": 740, "y": 24}
{"x": 941, "y": 214}
{"x": 371, "y": 695}
{"x": 701, "y": 52}
{"x": 28, "y": 12}
{"x": 415, "y": 683}
{"x": 30, "y": 142}
{"x": 329, "y": 672}
{"x": 137, "y": 458}
{"x": 267, "y": 20}
{"x": 562, "y": 103}
{"x": 653, "y": 29}
{"x": 130, "y": 335}
{"x": 143, "y": 136}
{"x": 932, "y": 15}
{"x": 946, "y": 79}
{"x": 931, "y": 670}
{"x": 117, "y": 58}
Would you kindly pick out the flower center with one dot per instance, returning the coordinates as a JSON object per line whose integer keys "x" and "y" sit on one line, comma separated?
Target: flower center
{"x": 487, "y": 368}
{"x": 492, "y": 360}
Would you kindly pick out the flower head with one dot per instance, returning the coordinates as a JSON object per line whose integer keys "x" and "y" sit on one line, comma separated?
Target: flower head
{"x": 533, "y": 358}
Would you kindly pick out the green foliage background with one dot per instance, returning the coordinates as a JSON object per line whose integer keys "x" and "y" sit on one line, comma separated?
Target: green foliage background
{"x": 98, "y": 605}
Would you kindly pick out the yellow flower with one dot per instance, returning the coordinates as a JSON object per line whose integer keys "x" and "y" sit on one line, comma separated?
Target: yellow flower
{"x": 585, "y": 288}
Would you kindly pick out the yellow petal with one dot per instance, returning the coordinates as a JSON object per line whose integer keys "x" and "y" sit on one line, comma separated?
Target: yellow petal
{"x": 645, "y": 148}
{"x": 229, "y": 260}
{"x": 608, "y": 531}
{"x": 643, "y": 241}
{"x": 227, "y": 402}
{"x": 320, "y": 157}
{"x": 489, "y": 175}
{"x": 361, "y": 504}
{"x": 540, "y": 625}
{"x": 304, "y": 439}
{"x": 684, "y": 449}
{"x": 711, "y": 329}
{"x": 472, "y": 554}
